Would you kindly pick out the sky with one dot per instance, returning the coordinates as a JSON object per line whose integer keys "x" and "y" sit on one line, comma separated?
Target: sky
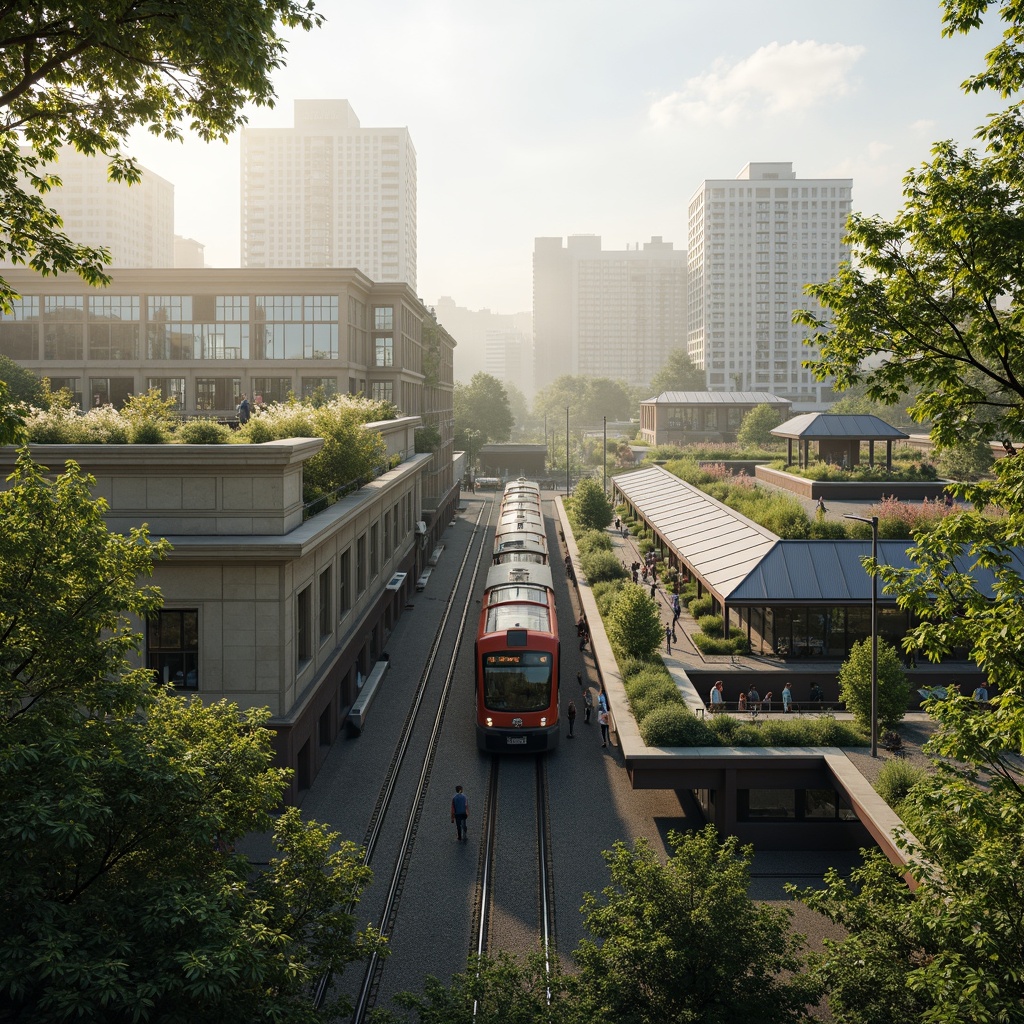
{"x": 558, "y": 117}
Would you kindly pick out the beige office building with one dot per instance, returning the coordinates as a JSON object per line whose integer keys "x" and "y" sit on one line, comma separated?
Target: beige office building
{"x": 328, "y": 192}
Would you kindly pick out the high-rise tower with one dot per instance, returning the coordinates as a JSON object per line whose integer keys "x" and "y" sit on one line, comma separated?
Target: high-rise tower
{"x": 330, "y": 193}
{"x": 754, "y": 242}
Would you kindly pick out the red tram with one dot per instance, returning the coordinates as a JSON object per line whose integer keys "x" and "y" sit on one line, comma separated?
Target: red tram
{"x": 517, "y": 645}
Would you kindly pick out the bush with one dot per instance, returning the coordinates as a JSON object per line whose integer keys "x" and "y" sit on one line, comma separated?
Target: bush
{"x": 711, "y": 625}
{"x": 203, "y": 431}
{"x": 634, "y": 624}
{"x": 676, "y": 726}
{"x": 735, "y": 644}
{"x": 828, "y": 529}
{"x": 593, "y": 540}
{"x": 701, "y": 606}
{"x": 654, "y": 693}
{"x": 605, "y": 594}
{"x": 589, "y": 508}
{"x": 830, "y": 732}
{"x": 785, "y": 732}
{"x": 600, "y": 566}
{"x": 855, "y": 685}
{"x": 896, "y": 779}
{"x": 725, "y": 728}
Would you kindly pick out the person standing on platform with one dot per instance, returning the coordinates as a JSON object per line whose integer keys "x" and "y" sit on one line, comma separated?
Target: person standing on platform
{"x": 571, "y": 713}
{"x": 602, "y": 720}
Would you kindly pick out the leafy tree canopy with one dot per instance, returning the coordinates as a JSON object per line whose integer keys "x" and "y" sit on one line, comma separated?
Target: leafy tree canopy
{"x": 590, "y": 507}
{"x": 855, "y": 685}
{"x": 82, "y": 74}
{"x": 589, "y": 400}
{"x": 482, "y": 405}
{"x": 23, "y": 386}
{"x": 123, "y": 898}
{"x": 678, "y": 374}
{"x": 757, "y": 426}
{"x": 936, "y": 295}
{"x": 634, "y": 625}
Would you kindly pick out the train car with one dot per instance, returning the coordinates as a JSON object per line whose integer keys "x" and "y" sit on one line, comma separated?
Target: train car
{"x": 530, "y": 548}
{"x": 520, "y": 537}
{"x": 517, "y": 661}
{"x": 522, "y": 485}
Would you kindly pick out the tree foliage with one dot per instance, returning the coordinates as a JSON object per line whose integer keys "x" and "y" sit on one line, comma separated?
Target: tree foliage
{"x": 678, "y": 374}
{"x": 23, "y": 386}
{"x": 123, "y": 898}
{"x": 83, "y": 74}
{"x": 634, "y": 626}
{"x": 757, "y": 426}
{"x": 589, "y": 506}
{"x": 482, "y": 405}
{"x": 927, "y": 293}
{"x": 589, "y": 400}
{"x": 684, "y": 941}
{"x": 855, "y": 685}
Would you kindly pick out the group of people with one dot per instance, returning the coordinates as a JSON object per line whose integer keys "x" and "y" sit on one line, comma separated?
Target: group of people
{"x": 753, "y": 701}
{"x": 588, "y": 708}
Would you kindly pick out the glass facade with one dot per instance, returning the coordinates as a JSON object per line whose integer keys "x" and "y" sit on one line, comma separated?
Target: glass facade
{"x": 172, "y": 647}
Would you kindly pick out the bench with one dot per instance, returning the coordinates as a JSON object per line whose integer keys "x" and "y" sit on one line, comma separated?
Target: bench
{"x": 424, "y": 579}
{"x": 435, "y": 555}
{"x": 357, "y": 713}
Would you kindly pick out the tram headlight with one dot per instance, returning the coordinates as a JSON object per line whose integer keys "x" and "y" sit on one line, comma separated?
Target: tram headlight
{"x": 544, "y": 720}
{"x": 489, "y": 722}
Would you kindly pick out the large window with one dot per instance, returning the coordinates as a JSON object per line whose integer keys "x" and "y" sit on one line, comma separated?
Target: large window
{"x": 374, "y": 550}
{"x": 172, "y": 647}
{"x": 296, "y": 327}
{"x": 382, "y": 390}
{"x": 344, "y": 582}
{"x": 169, "y": 387}
{"x": 113, "y": 391}
{"x": 64, "y": 327}
{"x": 361, "y": 564}
{"x": 304, "y": 625}
{"x": 114, "y": 327}
{"x": 271, "y": 389}
{"x": 319, "y": 387}
{"x": 326, "y": 600}
{"x": 215, "y": 394}
{"x": 383, "y": 318}
{"x": 383, "y": 352}
{"x": 19, "y": 329}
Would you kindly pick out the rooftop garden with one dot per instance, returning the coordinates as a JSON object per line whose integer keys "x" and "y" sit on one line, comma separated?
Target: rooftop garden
{"x": 350, "y": 454}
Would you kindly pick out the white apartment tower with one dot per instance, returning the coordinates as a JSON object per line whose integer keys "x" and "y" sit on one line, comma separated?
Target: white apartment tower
{"x": 614, "y": 314}
{"x": 134, "y": 222}
{"x": 754, "y": 242}
{"x": 330, "y": 193}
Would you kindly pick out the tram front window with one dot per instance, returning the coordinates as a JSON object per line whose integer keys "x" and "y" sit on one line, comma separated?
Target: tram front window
{"x": 517, "y": 681}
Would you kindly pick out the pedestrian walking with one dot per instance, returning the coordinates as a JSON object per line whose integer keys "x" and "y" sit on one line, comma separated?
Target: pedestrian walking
{"x": 766, "y": 704}
{"x": 588, "y": 705}
{"x": 602, "y": 701}
{"x": 602, "y": 720}
{"x": 676, "y": 609}
{"x": 572, "y": 719}
{"x": 460, "y": 814}
{"x": 787, "y": 699}
{"x": 617, "y": 524}
{"x": 716, "y": 699}
{"x": 654, "y": 589}
{"x": 668, "y": 639}
{"x": 579, "y": 680}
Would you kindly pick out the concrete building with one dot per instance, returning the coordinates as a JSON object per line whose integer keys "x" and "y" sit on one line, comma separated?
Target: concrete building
{"x": 206, "y": 337}
{"x": 265, "y": 604}
{"x": 134, "y": 222}
{"x": 188, "y": 253}
{"x": 480, "y": 350}
{"x": 754, "y": 241}
{"x": 329, "y": 193}
{"x": 613, "y": 314}
{"x": 693, "y": 417}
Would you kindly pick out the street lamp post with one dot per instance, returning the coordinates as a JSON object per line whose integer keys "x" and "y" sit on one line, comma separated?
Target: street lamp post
{"x": 567, "y": 451}
{"x": 873, "y": 523}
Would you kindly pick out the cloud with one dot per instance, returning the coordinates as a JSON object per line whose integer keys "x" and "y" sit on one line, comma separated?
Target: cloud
{"x": 776, "y": 79}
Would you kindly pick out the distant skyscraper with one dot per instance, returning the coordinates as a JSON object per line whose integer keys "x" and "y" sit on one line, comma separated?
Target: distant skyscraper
{"x": 606, "y": 314}
{"x": 188, "y": 253}
{"x": 754, "y": 242}
{"x": 329, "y": 193}
{"x": 134, "y": 222}
{"x": 484, "y": 340}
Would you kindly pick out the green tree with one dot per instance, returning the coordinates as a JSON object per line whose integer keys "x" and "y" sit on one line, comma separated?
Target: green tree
{"x": 123, "y": 898}
{"x": 855, "y": 685}
{"x": 84, "y": 74}
{"x": 684, "y": 942}
{"x": 966, "y": 461}
{"x": 589, "y": 400}
{"x": 924, "y": 293}
{"x": 634, "y": 625}
{"x": 589, "y": 506}
{"x": 678, "y": 374}
{"x": 757, "y": 426}
{"x": 23, "y": 386}
{"x": 482, "y": 405}
{"x": 12, "y": 422}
